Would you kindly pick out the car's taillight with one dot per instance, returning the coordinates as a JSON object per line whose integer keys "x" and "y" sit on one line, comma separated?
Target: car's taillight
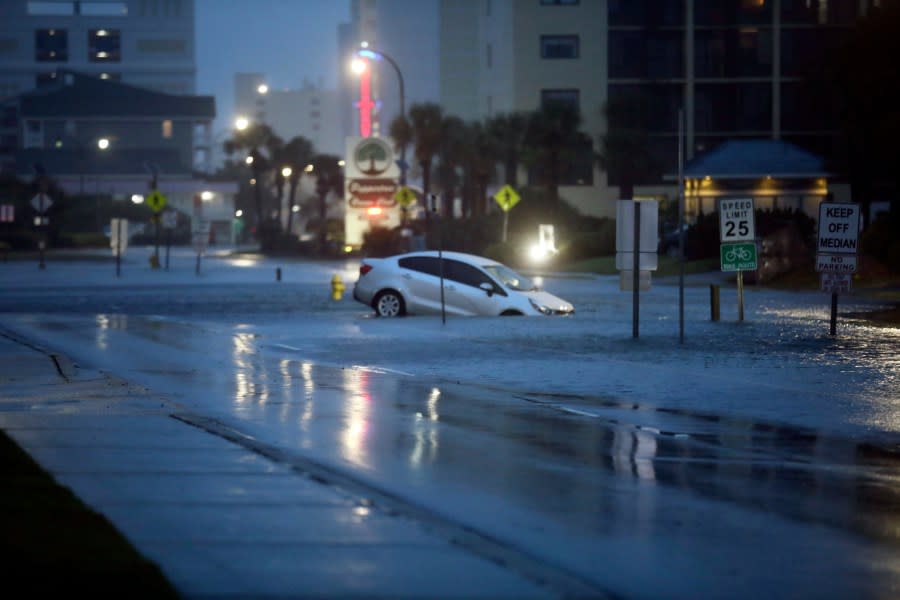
{"x": 364, "y": 268}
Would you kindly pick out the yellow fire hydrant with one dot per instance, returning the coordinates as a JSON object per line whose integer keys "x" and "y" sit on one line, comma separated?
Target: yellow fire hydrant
{"x": 337, "y": 287}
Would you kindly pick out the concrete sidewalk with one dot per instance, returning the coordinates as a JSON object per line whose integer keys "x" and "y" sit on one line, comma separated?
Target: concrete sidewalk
{"x": 222, "y": 518}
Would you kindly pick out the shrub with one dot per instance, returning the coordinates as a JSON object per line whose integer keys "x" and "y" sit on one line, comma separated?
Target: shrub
{"x": 881, "y": 242}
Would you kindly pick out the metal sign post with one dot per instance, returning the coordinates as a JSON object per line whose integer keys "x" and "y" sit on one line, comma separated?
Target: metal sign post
{"x": 837, "y": 243}
{"x": 637, "y": 229}
{"x": 737, "y": 224}
{"x": 506, "y": 198}
{"x": 433, "y": 201}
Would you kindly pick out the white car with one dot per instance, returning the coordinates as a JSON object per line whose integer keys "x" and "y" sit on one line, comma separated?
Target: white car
{"x": 411, "y": 284}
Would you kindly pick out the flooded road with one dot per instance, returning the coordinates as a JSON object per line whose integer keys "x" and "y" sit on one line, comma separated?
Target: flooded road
{"x": 757, "y": 459}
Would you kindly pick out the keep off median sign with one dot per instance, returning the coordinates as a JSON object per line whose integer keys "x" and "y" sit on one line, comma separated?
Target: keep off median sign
{"x": 837, "y": 238}
{"x": 837, "y": 241}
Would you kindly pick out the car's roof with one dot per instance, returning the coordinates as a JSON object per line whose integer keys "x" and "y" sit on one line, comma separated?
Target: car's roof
{"x": 479, "y": 260}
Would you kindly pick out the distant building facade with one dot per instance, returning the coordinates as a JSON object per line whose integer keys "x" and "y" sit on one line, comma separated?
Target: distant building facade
{"x": 309, "y": 111}
{"x": 146, "y": 135}
{"x": 148, "y": 43}
{"x": 734, "y": 67}
{"x": 73, "y": 72}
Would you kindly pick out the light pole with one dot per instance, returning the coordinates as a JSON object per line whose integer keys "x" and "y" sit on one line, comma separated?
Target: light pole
{"x": 366, "y": 52}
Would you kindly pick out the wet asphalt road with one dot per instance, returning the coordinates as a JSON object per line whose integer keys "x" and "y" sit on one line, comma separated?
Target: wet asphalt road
{"x": 643, "y": 490}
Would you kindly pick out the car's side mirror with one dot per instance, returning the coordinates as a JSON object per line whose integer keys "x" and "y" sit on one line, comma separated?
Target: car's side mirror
{"x": 487, "y": 287}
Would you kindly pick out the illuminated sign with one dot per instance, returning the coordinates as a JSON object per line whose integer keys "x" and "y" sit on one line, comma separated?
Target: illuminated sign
{"x": 365, "y": 104}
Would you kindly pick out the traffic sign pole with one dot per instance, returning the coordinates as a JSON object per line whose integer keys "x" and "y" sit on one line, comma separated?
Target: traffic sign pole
{"x": 837, "y": 243}
{"x": 737, "y": 224}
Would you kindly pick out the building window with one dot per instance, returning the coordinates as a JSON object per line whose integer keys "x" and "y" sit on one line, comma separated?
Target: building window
{"x": 646, "y": 55}
{"x": 104, "y": 45}
{"x": 568, "y": 97}
{"x": 731, "y": 107}
{"x": 644, "y": 13}
{"x": 559, "y": 2}
{"x": 56, "y": 9}
{"x": 103, "y": 9}
{"x": 167, "y": 129}
{"x": 559, "y": 46}
{"x": 744, "y": 52}
{"x": 51, "y": 45}
{"x": 111, "y": 76}
{"x": 161, "y": 46}
{"x": 45, "y": 79}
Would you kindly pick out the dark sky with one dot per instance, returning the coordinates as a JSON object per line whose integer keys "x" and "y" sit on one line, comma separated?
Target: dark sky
{"x": 286, "y": 40}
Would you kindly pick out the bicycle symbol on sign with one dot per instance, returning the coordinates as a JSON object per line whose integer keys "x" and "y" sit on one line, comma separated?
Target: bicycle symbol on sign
{"x": 737, "y": 254}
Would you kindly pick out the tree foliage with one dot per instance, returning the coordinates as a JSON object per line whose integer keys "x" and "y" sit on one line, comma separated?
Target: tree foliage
{"x": 625, "y": 152}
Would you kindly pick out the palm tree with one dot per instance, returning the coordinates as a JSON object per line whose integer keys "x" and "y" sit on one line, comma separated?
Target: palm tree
{"x": 482, "y": 150}
{"x": 329, "y": 178}
{"x": 401, "y": 132}
{"x": 508, "y": 131}
{"x": 426, "y": 124}
{"x": 451, "y": 150}
{"x": 624, "y": 149}
{"x": 261, "y": 142}
{"x": 551, "y": 137}
{"x": 297, "y": 154}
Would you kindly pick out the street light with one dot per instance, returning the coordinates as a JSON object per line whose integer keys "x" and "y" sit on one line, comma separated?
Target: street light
{"x": 366, "y": 52}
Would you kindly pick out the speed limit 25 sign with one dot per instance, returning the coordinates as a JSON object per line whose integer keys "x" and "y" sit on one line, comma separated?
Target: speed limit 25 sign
{"x": 736, "y": 220}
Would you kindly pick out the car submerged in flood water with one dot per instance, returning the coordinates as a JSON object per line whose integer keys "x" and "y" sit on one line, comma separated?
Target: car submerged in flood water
{"x": 414, "y": 283}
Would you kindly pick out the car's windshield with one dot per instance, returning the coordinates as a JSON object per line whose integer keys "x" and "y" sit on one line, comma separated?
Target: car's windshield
{"x": 510, "y": 278}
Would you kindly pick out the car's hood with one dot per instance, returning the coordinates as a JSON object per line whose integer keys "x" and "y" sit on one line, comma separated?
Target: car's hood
{"x": 554, "y": 303}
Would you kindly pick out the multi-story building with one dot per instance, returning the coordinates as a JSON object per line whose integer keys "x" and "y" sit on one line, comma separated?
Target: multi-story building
{"x": 148, "y": 43}
{"x": 309, "y": 111}
{"x": 99, "y": 137}
{"x": 406, "y": 31}
{"x": 74, "y": 72}
{"x": 733, "y": 67}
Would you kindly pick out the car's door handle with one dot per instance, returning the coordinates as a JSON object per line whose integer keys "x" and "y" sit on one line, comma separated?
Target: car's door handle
{"x": 406, "y": 276}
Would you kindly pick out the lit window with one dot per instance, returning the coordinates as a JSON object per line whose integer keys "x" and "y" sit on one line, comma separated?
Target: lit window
{"x": 167, "y": 128}
{"x": 51, "y": 45}
{"x": 104, "y": 45}
{"x": 48, "y": 78}
{"x": 559, "y": 46}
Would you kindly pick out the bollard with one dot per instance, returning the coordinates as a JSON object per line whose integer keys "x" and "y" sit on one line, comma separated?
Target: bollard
{"x": 278, "y": 274}
{"x": 714, "y": 302}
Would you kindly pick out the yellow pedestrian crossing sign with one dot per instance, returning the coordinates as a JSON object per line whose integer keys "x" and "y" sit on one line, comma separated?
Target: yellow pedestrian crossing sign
{"x": 156, "y": 201}
{"x": 405, "y": 196}
{"x": 507, "y": 197}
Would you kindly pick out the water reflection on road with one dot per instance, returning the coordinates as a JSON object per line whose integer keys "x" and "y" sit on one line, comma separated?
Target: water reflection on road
{"x": 634, "y": 483}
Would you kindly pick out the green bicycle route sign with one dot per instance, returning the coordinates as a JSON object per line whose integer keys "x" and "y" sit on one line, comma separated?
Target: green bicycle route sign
{"x": 738, "y": 257}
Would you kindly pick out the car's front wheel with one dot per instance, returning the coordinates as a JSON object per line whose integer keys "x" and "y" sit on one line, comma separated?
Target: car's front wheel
{"x": 389, "y": 304}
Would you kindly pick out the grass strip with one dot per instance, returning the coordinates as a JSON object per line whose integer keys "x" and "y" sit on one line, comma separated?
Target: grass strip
{"x": 52, "y": 543}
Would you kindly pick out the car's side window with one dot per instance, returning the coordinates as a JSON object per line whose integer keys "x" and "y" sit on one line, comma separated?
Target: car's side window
{"x": 422, "y": 264}
{"x": 466, "y": 274}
